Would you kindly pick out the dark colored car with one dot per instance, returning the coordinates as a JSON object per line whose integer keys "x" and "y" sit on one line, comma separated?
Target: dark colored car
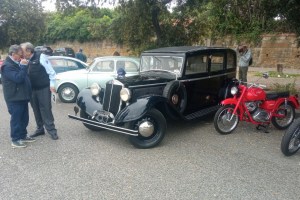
{"x": 65, "y": 51}
{"x": 44, "y": 49}
{"x": 64, "y": 64}
{"x": 181, "y": 83}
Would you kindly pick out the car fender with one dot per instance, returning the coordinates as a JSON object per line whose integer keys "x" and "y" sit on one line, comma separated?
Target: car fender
{"x": 138, "y": 108}
{"x": 86, "y": 102}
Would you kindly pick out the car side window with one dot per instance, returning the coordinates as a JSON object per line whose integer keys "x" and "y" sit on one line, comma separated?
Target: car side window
{"x": 230, "y": 60}
{"x": 57, "y": 62}
{"x": 72, "y": 65}
{"x": 130, "y": 66}
{"x": 197, "y": 64}
{"x": 104, "y": 66}
{"x": 217, "y": 62}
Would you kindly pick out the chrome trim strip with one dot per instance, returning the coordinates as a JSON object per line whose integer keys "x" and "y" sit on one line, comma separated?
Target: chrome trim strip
{"x": 214, "y": 76}
{"x": 106, "y": 126}
{"x": 186, "y": 80}
{"x": 148, "y": 85}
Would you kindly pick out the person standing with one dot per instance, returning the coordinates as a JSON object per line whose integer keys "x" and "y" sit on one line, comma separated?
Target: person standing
{"x": 42, "y": 78}
{"x": 80, "y": 55}
{"x": 17, "y": 92}
{"x": 245, "y": 56}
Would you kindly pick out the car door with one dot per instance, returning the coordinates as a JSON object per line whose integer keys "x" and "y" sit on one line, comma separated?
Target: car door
{"x": 101, "y": 72}
{"x": 196, "y": 81}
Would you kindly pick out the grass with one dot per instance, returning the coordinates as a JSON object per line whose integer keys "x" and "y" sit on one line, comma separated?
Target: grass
{"x": 278, "y": 74}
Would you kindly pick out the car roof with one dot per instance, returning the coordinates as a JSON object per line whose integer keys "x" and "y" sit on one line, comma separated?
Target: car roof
{"x": 181, "y": 49}
{"x": 118, "y": 58}
{"x": 67, "y": 58}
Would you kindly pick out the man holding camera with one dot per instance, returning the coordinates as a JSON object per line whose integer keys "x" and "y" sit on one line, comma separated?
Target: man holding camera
{"x": 245, "y": 56}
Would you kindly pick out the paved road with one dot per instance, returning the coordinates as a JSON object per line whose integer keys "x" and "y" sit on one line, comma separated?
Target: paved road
{"x": 193, "y": 162}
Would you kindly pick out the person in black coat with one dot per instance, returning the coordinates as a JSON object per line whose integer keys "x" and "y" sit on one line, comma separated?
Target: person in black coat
{"x": 17, "y": 92}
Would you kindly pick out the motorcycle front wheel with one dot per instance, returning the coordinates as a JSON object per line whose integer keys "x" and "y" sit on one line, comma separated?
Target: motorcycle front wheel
{"x": 225, "y": 121}
{"x": 290, "y": 142}
{"x": 288, "y": 112}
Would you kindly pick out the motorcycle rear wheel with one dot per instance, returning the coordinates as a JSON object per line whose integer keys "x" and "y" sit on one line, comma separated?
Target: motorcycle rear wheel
{"x": 224, "y": 121}
{"x": 290, "y": 142}
{"x": 289, "y": 112}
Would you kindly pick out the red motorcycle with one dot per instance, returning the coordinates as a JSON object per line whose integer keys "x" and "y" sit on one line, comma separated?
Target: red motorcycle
{"x": 251, "y": 103}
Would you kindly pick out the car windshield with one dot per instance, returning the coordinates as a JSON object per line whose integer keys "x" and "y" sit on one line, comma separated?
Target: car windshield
{"x": 162, "y": 63}
{"x": 90, "y": 66}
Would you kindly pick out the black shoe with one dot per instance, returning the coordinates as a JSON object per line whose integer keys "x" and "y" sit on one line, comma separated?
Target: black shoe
{"x": 54, "y": 136}
{"x": 18, "y": 144}
{"x": 28, "y": 139}
{"x": 37, "y": 134}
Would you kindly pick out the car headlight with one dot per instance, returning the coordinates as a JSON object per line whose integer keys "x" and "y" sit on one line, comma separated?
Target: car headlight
{"x": 234, "y": 90}
{"x": 125, "y": 94}
{"x": 95, "y": 89}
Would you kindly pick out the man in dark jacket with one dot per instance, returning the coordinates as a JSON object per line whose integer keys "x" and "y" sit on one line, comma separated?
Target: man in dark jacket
{"x": 80, "y": 55}
{"x": 17, "y": 92}
{"x": 42, "y": 78}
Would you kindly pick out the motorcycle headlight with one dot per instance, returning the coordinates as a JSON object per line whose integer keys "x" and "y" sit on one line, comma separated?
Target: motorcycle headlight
{"x": 95, "y": 89}
{"x": 125, "y": 94}
{"x": 234, "y": 90}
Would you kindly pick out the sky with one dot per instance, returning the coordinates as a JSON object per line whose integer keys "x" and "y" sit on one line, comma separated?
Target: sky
{"x": 49, "y": 5}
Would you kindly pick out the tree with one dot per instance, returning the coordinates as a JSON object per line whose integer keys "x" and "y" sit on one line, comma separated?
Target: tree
{"x": 20, "y": 21}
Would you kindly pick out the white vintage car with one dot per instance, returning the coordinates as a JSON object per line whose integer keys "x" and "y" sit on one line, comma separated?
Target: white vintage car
{"x": 102, "y": 69}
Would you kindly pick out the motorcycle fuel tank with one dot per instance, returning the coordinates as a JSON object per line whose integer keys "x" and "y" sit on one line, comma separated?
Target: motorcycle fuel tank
{"x": 255, "y": 94}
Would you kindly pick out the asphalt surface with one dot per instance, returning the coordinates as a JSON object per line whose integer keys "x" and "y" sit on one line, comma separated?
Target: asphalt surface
{"x": 192, "y": 162}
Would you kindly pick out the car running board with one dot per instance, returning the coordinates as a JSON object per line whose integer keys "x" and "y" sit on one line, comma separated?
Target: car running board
{"x": 202, "y": 112}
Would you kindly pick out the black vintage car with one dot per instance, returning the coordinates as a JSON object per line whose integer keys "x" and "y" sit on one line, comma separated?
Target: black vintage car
{"x": 185, "y": 82}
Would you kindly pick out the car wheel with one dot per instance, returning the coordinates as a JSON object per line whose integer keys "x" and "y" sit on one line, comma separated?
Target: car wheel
{"x": 152, "y": 128}
{"x": 84, "y": 115}
{"x": 68, "y": 93}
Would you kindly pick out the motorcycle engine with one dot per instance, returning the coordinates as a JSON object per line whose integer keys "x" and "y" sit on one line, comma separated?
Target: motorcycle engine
{"x": 251, "y": 106}
{"x": 258, "y": 114}
{"x": 261, "y": 115}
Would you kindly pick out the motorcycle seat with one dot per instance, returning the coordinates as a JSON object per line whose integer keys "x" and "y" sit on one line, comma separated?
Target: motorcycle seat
{"x": 272, "y": 95}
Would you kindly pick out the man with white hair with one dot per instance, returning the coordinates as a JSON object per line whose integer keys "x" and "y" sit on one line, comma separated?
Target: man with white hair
{"x": 17, "y": 93}
{"x": 42, "y": 78}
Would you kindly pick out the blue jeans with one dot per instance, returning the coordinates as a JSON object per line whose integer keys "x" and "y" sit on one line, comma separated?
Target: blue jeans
{"x": 19, "y": 119}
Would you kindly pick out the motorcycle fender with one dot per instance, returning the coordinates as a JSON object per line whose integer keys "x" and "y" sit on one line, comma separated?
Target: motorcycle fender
{"x": 229, "y": 101}
{"x": 294, "y": 101}
{"x": 87, "y": 102}
{"x": 138, "y": 108}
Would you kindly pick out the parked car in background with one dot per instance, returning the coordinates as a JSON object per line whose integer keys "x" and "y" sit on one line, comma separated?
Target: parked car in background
{"x": 101, "y": 70}
{"x": 181, "y": 83}
{"x": 64, "y": 63}
{"x": 65, "y": 51}
{"x": 44, "y": 49}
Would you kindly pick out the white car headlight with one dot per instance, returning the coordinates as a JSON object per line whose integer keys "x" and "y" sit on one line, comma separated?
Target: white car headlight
{"x": 95, "y": 89}
{"x": 125, "y": 94}
{"x": 234, "y": 90}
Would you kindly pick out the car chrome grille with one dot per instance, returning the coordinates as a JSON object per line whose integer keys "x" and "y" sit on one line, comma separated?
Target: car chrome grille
{"x": 112, "y": 100}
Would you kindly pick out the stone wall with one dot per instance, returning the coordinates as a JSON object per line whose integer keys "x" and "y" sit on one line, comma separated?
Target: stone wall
{"x": 273, "y": 50}
{"x": 94, "y": 49}
{"x": 278, "y": 49}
